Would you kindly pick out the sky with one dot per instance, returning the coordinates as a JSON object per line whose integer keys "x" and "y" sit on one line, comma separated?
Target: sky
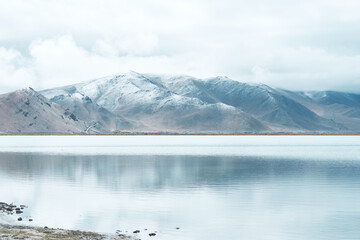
{"x": 296, "y": 45}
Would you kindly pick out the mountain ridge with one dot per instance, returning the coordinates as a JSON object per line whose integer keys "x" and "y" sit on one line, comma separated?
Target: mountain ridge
{"x": 135, "y": 102}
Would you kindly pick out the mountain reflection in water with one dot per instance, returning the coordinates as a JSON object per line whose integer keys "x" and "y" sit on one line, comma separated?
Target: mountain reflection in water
{"x": 208, "y": 197}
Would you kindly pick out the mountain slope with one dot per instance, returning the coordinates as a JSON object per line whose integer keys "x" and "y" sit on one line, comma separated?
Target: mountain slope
{"x": 150, "y": 106}
{"x": 339, "y": 107}
{"x": 260, "y": 101}
{"x": 84, "y": 108}
{"x": 26, "y": 111}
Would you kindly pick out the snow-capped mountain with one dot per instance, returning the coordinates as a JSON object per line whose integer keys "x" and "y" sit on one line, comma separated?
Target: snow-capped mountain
{"x": 150, "y": 105}
{"x": 179, "y": 104}
{"x": 149, "y": 102}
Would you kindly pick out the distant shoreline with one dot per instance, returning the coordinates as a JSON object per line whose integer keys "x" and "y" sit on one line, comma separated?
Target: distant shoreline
{"x": 183, "y": 134}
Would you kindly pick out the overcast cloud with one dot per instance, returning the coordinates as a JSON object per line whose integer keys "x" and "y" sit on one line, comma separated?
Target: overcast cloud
{"x": 298, "y": 45}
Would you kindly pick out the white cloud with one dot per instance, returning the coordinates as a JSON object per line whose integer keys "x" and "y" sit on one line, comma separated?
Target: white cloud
{"x": 14, "y": 70}
{"x": 138, "y": 44}
{"x": 310, "y": 44}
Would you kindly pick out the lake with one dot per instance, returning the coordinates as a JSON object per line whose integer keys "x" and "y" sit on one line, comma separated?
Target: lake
{"x": 211, "y": 187}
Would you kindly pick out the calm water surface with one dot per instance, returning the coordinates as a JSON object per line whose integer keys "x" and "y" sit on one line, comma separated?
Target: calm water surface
{"x": 212, "y": 187}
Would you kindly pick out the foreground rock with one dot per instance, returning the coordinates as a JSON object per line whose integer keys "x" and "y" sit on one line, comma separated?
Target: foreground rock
{"x": 9, "y": 232}
{"x": 10, "y": 209}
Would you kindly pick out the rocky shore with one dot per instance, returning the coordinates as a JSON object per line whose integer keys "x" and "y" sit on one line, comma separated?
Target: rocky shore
{"x": 17, "y": 231}
{"x": 10, "y": 232}
{"x": 11, "y": 209}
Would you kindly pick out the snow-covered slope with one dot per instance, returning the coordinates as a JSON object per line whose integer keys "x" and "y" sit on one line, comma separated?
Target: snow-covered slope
{"x": 26, "y": 111}
{"x": 150, "y": 105}
{"x": 85, "y": 109}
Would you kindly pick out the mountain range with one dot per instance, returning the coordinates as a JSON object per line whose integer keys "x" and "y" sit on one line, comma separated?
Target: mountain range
{"x": 151, "y": 103}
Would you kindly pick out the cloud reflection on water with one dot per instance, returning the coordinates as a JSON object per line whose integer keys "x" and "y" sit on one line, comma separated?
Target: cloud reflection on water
{"x": 209, "y": 197}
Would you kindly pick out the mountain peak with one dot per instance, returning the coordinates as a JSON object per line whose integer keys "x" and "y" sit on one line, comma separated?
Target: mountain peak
{"x": 132, "y": 74}
{"x": 28, "y": 90}
{"x": 224, "y": 78}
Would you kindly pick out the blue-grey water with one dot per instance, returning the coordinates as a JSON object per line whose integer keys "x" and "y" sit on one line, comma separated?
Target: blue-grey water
{"x": 212, "y": 187}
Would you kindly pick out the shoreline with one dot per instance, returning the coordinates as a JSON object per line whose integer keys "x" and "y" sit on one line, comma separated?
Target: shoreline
{"x": 10, "y": 232}
{"x": 182, "y": 134}
{"x": 23, "y": 231}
